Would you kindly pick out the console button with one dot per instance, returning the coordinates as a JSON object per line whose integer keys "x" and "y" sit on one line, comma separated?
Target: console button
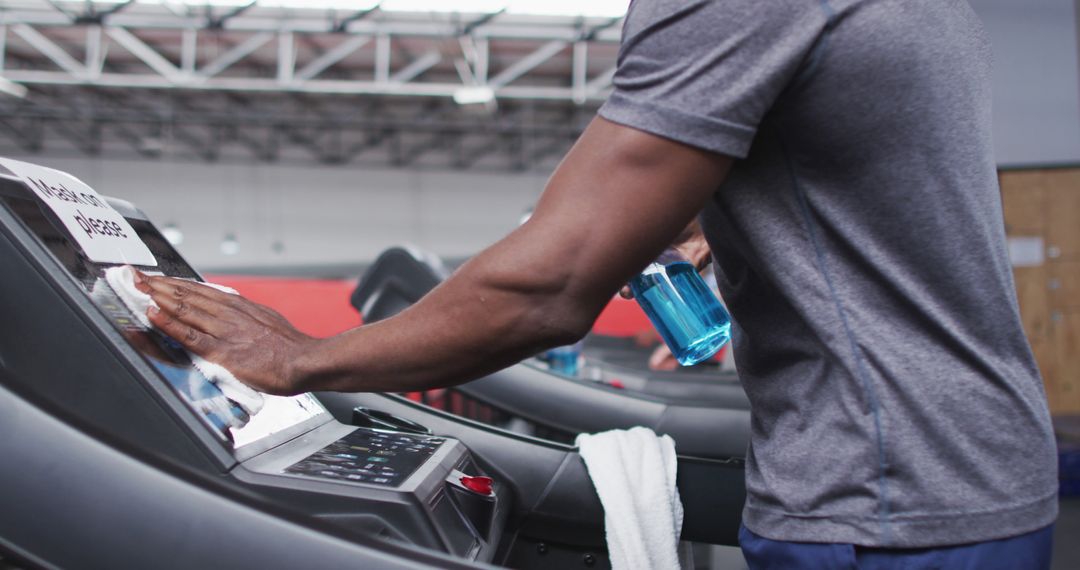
{"x": 481, "y": 485}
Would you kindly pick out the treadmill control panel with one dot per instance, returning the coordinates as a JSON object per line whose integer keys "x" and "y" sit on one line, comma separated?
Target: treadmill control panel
{"x": 369, "y": 456}
{"x": 413, "y": 488}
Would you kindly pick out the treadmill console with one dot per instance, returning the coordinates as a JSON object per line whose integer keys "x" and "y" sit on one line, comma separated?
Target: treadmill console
{"x": 415, "y": 488}
{"x": 379, "y": 458}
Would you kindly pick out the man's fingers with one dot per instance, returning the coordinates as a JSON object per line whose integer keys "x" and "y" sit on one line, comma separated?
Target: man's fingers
{"x": 196, "y": 306}
{"x": 691, "y": 231}
{"x": 194, "y": 340}
{"x": 697, "y": 252}
{"x": 702, "y": 265}
{"x": 211, "y": 300}
{"x": 662, "y": 359}
{"x": 181, "y": 288}
{"x": 190, "y": 310}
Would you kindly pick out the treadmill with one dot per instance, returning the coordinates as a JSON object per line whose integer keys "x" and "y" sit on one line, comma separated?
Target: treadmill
{"x": 118, "y": 453}
{"x": 707, "y": 414}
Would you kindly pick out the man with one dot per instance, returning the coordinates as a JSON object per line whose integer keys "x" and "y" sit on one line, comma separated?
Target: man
{"x": 839, "y": 156}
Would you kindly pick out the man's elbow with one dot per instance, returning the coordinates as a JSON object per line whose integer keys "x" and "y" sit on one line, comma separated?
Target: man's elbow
{"x": 565, "y": 322}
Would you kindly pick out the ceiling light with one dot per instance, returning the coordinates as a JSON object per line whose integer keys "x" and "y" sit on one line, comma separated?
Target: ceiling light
{"x": 230, "y": 245}
{"x": 474, "y": 95}
{"x": 172, "y": 234}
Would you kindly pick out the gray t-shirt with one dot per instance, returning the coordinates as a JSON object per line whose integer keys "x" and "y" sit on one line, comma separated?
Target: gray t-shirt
{"x": 860, "y": 247}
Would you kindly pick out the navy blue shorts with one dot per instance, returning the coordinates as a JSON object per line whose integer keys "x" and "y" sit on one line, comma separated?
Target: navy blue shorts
{"x": 1027, "y": 551}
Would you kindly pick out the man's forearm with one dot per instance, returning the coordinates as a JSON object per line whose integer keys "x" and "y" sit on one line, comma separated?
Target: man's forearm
{"x": 497, "y": 310}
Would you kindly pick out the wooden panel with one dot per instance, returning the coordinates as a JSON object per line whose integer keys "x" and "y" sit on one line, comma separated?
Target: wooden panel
{"x": 1046, "y": 357}
{"x": 1046, "y": 203}
{"x": 1065, "y": 332}
{"x": 1022, "y": 198}
{"x": 1062, "y": 210}
{"x": 1034, "y": 302}
{"x": 1034, "y": 312}
{"x": 1063, "y": 285}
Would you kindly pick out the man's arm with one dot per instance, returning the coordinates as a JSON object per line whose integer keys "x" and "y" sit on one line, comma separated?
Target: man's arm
{"x": 614, "y": 203}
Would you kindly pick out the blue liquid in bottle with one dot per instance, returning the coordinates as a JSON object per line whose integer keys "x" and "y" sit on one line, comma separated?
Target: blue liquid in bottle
{"x": 684, "y": 311}
{"x": 564, "y": 359}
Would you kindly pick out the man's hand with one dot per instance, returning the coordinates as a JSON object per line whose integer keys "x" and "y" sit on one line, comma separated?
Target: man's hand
{"x": 692, "y": 245}
{"x": 253, "y": 342}
{"x": 662, "y": 359}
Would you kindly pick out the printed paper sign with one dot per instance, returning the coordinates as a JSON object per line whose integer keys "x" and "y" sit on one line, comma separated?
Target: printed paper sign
{"x": 102, "y": 233}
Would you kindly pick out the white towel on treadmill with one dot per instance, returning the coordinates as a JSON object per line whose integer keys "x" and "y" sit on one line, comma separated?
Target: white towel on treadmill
{"x": 634, "y": 475}
{"x": 122, "y": 281}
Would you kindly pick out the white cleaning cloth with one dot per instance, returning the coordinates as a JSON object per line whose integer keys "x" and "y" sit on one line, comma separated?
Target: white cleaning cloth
{"x": 634, "y": 475}
{"x": 122, "y": 281}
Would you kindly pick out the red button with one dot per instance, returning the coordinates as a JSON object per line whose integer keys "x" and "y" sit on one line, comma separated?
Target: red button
{"x": 480, "y": 485}
{"x": 616, "y": 383}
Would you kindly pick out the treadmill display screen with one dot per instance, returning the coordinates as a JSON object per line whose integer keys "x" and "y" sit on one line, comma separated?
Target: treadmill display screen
{"x": 280, "y": 417}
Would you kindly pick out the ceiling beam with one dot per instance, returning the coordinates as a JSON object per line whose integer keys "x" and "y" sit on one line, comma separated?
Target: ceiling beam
{"x": 416, "y": 67}
{"x": 147, "y": 54}
{"x": 55, "y": 53}
{"x": 527, "y": 63}
{"x": 328, "y": 59}
{"x": 234, "y": 54}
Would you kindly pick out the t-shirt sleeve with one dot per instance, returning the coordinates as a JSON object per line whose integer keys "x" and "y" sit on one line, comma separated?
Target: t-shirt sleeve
{"x": 706, "y": 72}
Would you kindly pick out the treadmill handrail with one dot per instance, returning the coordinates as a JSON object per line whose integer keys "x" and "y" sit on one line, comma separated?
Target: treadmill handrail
{"x": 699, "y": 429}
